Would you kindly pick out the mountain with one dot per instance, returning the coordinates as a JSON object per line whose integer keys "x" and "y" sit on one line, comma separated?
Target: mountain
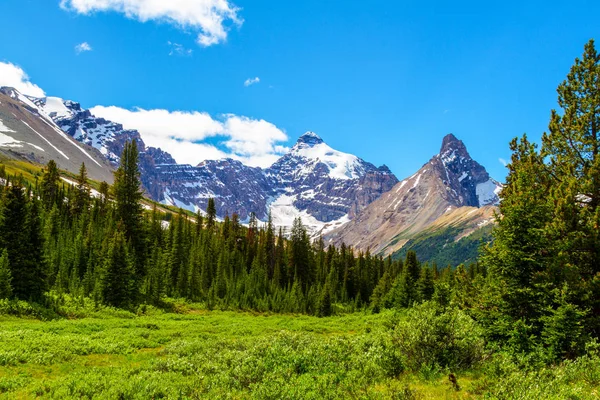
{"x": 442, "y": 188}
{"x": 28, "y": 132}
{"x": 325, "y": 187}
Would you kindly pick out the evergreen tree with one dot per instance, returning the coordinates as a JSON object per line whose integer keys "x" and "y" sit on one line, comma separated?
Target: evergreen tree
{"x": 5, "y": 276}
{"x": 300, "y": 248}
{"x": 407, "y": 293}
{"x": 211, "y": 215}
{"x": 82, "y": 192}
{"x": 128, "y": 206}
{"x": 426, "y": 284}
{"x": 118, "y": 288}
{"x": 49, "y": 188}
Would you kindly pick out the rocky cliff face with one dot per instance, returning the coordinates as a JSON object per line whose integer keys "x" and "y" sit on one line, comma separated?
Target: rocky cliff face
{"x": 450, "y": 180}
{"x": 324, "y": 186}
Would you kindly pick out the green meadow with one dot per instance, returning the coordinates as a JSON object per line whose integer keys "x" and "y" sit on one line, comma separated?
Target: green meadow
{"x": 196, "y": 354}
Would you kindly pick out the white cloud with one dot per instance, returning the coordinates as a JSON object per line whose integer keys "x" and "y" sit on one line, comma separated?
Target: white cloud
{"x": 13, "y": 76}
{"x": 178, "y": 50}
{"x": 209, "y": 18}
{"x": 251, "y": 81}
{"x": 183, "y": 134}
{"x": 503, "y": 161}
{"x": 82, "y": 47}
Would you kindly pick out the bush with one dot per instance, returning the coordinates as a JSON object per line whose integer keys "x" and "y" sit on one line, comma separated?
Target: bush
{"x": 430, "y": 337}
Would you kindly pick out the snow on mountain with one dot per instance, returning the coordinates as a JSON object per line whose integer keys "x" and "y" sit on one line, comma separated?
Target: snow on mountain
{"x": 54, "y": 107}
{"x": 323, "y": 186}
{"x": 340, "y": 165}
{"x": 30, "y": 132}
{"x": 487, "y": 192}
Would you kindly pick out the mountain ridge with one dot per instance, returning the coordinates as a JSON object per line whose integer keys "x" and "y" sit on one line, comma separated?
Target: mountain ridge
{"x": 322, "y": 185}
{"x": 450, "y": 180}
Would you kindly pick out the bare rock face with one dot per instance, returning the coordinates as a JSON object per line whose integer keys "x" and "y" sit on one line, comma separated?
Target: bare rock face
{"x": 323, "y": 186}
{"x": 450, "y": 180}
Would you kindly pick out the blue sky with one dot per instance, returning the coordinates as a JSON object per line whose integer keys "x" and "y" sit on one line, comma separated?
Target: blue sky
{"x": 384, "y": 80}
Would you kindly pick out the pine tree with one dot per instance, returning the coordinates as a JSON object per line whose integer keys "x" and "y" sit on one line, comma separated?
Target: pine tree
{"x": 118, "y": 288}
{"x": 426, "y": 284}
{"x": 82, "y": 192}
{"x": 14, "y": 238}
{"x": 5, "y": 276}
{"x": 407, "y": 293}
{"x": 49, "y": 189}
{"x": 128, "y": 206}
{"x": 300, "y": 258}
{"x": 211, "y": 215}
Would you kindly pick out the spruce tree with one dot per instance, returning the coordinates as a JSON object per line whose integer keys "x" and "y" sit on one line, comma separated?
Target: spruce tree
{"x": 128, "y": 207}
{"x": 82, "y": 192}
{"x": 118, "y": 285}
{"x": 14, "y": 236}
{"x": 300, "y": 258}
{"x": 5, "y": 276}
{"x": 49, "y": 187}
{"x": 211, "y": 215}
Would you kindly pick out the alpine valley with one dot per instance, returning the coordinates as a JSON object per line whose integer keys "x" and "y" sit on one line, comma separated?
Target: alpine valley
{"x": 449, "y": 202}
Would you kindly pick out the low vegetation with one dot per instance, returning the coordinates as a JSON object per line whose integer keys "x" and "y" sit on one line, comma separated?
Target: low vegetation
{"x": 110, "y": 353}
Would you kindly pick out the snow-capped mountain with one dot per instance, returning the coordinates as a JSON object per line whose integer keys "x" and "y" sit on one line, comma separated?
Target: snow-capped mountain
{"x": 27, "y": 131}
{"x": 324, "y": 186}
{"x": 106, "y": 136}
{"x": 449, "y": 181}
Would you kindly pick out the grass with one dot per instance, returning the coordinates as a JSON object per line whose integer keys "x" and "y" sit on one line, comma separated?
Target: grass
{"x": 236, "y": 355}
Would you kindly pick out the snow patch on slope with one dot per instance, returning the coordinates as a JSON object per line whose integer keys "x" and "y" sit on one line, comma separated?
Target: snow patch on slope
{"x": 4, "y": 128}
{"x": 487, "y": 193}
{"x": 284, "y": 213}
{"x": 55, "y": 108}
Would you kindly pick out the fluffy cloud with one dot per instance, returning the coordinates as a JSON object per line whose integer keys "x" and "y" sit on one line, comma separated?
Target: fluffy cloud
{"x": 254, "y": 142}
{"x": 81, "y": 47}
{"x": 13, "y": 76}
{"x": 251, "y": 81}
{"x": 209, "y": 18}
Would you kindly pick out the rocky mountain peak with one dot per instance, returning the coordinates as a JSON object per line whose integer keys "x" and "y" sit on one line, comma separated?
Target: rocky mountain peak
{"x": 452, "y": 145}
{"x": 309, "y": 139}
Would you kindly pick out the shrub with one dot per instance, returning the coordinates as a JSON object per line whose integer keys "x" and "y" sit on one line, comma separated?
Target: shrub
{"x": 430, "y": 337}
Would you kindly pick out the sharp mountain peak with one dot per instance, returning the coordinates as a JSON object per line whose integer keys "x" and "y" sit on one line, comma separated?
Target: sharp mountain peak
{"x": 310, "y": 139}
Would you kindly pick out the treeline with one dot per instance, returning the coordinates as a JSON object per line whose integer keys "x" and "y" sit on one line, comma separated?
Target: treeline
{"x": 107, "y": 247}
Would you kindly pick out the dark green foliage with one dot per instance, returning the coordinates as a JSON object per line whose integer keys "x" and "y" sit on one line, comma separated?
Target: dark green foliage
{"x": 82, "y": 192}
{"x": 49, "y": 186}
{"x": 5, "y": 276}
{"x": 117, "y": 282}
{"x": 128, "y": 207}
{"x": 21, "y": 237}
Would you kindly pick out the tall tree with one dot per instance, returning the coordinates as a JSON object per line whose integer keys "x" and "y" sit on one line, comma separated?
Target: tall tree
{"x": 49, "y": 189}
{"x": 81, "y": 198}
{"x": 118, "y": 286}
{"x": 128, "y": 203}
